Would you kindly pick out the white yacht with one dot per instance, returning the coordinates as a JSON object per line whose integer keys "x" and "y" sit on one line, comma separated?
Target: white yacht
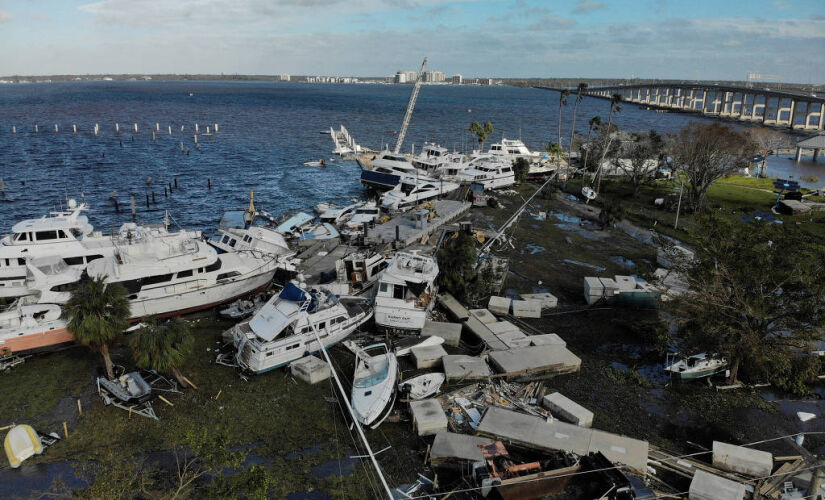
{"x": 285, "y": 329}
{"x": 406, "y": 293}
{"x": 490, "y": 172}
{"x": 31, "y": 327}
{"x": 163, "y": 276}
{"x": 235, "y": 234}
{"x": 63, "y": 234}
{"x": 374, "y": 383}
{"x": 411, "y": 192}
{"x": 512, "y": 149}
{"x": 387, "y": 170}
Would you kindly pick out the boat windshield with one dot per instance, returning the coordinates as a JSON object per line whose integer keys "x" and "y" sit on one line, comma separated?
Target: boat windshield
{"x": 372, "y": 378}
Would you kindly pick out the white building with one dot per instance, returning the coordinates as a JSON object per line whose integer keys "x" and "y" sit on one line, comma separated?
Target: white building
{"x": 283, "y": 78}
{"x": 456, "y": 79}
{"x": 433, "y": 76}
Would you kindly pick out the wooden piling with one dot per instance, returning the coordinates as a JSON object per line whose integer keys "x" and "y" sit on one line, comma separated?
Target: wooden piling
{"x": 196, "y": 139}
{"x": 196, "y": 128}
{"x": 74, "y": 128}
{"x": 97, "y": 129}
{"x": 136, "y": 130}
{"x": 157, "y": 127}
{"x": 176, "y": 182}
{"x": 65, "y": 430}
{"x": 170, "y": 130}
{"x": 181, "y": 146}
{"x": 165, "y": 193}
{"x": 147, "y": 200}
{"x": 2, "y": 187}
{"x": 170, "y": 188}
{"x": 79, "y": 408}
{"x": 154, "y": 200}
{"x": 181, "y": 128}
{"x": 117, "y": 128}
{"x": 134, "y": 211}
{"x": 216, "y": 127}
{"x": 36, "y": 129}
{"x": 208, "y": 182}
{"x": 56, "y": 128}
{"x": 153, "y": 136}
{"x": 14, "y": 129}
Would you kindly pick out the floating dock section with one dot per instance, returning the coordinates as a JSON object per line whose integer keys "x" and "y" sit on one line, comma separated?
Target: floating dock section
{"x": 412, "y": 230}
{"x": 535, "y": 433}
{"x": 449, "y": 447}
{"x": 535, "y": 361}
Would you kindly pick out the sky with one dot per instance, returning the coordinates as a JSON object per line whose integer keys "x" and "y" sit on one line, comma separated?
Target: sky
{"x": 699, "y": 39}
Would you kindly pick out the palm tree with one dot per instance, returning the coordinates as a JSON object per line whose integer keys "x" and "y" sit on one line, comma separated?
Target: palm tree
{"x": 563, "y": 94}
{"x": 593, "y": 124}
{"x": 615, "y": 101}
{"x": 481, "y": 132}
{"x": 162, "y": 347}
{"x": 99, "y": 313}
{"x": 579, "y": 91}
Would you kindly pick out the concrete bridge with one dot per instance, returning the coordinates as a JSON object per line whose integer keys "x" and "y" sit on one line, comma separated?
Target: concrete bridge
{"x": 768, "y": 107}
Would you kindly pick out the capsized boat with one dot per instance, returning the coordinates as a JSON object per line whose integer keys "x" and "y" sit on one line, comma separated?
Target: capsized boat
{"x": 288, "y": 327}
{"x": 292, "y": 225}
{"x": 22, "y": 442}
{"x": 697, "y": 366}
{"x": 406, "y": 293}
{"x": 422, "y": 386}
{"x": 237, "y": 234}
{"x": 367, "y": 214}
{"x": 373, "y": 383}
{"x": 404, "y": 346}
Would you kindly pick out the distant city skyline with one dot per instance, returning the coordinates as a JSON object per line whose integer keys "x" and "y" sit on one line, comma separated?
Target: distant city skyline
{"x": 702, "y": 40}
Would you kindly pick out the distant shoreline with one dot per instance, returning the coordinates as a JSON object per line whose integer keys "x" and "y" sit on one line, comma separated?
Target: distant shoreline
{"x": 517, "y": 82}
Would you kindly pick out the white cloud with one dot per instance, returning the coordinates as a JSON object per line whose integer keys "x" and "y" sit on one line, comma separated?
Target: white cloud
{"x": 585, "y": 6}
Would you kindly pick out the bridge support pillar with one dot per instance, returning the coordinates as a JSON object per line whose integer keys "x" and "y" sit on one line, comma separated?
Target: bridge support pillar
{"x": 798, "y": 156}
{"x": 791, "y": 115}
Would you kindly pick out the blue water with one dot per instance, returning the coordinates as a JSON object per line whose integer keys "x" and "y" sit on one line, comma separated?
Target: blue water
{"x": 267, "y": 130}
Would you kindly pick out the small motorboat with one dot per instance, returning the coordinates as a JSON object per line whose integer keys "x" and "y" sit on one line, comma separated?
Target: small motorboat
{"x": 294, "y": 224}
{"x": 129, "y": 388}
{"x": 692, "y": 367}
{"x": 588, "y": 193}
{"x": 22, "y": 442}
{"x": 405, "y": 346}
{"x": 242, "y": 308}
{"x": 422, "y": 386}
{"x": 373, "y": 383}
{"x": 319, "y": 163}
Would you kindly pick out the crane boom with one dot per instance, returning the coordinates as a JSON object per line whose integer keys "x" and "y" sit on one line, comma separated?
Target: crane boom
{"x": 410, "y": 107}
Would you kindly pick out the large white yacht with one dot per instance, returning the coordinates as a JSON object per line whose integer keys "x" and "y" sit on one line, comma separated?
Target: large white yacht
{"x": 288, "y": 327}
{"x": 438, "y": 162}
{"x": 236, "y": 234}
{"x": 490, "y": 172}
{"x": 387, "y": 170}
{"x": 406, "y": 293}
{"x": 64, "y": 234}
{"x": 162, "y": 276}
{"x": 411, "y": 192}
{"x": 512, "y": 149}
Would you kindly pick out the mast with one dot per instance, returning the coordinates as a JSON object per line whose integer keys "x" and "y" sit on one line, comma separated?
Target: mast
{"x": 410, "y": 107}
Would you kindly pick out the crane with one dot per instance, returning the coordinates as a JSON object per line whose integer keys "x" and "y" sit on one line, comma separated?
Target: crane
{"x": 410, "y": 107}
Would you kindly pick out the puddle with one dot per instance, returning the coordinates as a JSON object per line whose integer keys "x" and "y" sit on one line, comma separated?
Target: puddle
{"x": 584, "y": 264}
{"x": 622, "y": 261}
{"x": 31, "y": 478}
{"x": 534, "y": 249}
{"x": 570, "y": 219}
{"x": 309, "y": 451}
{"x": 329, "y": 468}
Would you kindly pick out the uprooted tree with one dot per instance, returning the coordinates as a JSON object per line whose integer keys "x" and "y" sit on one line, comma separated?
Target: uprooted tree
{"x": 705, "y": 153}
{"x": 757, "y": 297}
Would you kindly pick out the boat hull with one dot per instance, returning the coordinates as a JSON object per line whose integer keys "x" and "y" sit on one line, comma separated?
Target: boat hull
{"x": 36, "y": 341}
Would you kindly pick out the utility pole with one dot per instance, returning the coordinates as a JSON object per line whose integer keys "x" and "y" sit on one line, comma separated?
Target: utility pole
{"x": 679, "y": 205}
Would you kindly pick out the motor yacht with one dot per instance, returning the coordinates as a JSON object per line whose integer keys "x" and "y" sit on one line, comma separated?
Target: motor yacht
{"x": 31, "y": 327}
{"x": 289, "y": 326}
{"x": 411, "y": 192}
{"x": 490, "y": 172}
{"x": 406, "y": 293}
{"x": 373, "y": 383}
{"x": 387, "y": 170}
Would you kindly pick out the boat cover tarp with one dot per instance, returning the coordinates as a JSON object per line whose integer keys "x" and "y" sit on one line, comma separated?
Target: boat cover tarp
{"x": 293, "y": 293}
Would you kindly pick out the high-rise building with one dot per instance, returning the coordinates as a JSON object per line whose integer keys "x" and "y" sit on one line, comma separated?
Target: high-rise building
{"x": 283, "y": 78}
{"x": 457, "y": 79}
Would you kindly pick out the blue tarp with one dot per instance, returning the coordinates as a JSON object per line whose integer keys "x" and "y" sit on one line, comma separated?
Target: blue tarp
{"x": 292, "y": 293}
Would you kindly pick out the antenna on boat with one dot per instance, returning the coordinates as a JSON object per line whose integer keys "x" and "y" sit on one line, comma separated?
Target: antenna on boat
{"x": 249, "y": 216}
{"x": 352, "y": 415}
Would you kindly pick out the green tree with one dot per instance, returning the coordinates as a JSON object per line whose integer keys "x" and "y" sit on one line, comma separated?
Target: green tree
{"x": 162, "y": 347}
{"x": 481, "y": 132}
{"x": 521, "y": 167}
{"x": 203, "y": 451}
{"x": 98, "y": 315}
{"x": 592, "y": 124}
{"x": 705, "y": 153}
{"x": 757, "y": 296}
{"x": 457, "y": 263}
{"x": 563, "y": 95}
{"x": 639, "y": 159}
